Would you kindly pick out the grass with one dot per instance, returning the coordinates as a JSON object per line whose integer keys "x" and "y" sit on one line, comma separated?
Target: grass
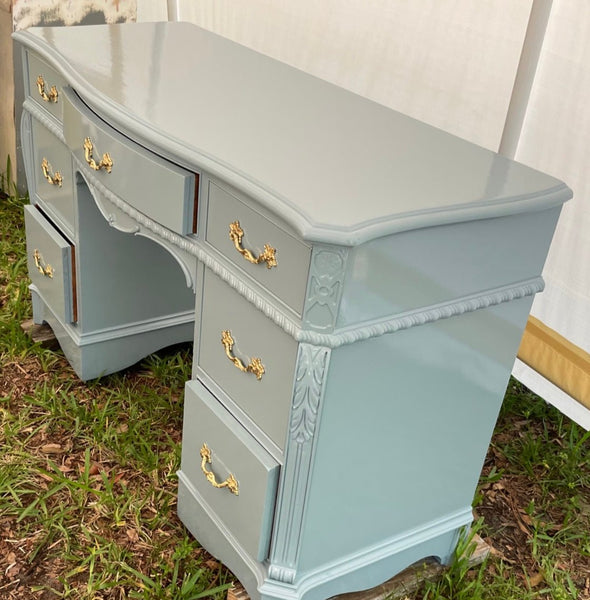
{"x": 88, "y": 484}
{"x": 88, "y": 471}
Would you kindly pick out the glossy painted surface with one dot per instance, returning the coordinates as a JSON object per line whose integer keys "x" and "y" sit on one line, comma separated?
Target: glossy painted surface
{"x": 36, "y": 67}
{"x": 57, "y": 200}
{"x": 434, "y": 265}
{"x": 408, "y": 425}
{"x": 156, "y": 187}
{"x": 288, "y": 278}
{"x": 253, "y": 121}
{"x": 266, "y": 401}
{"x": 54, "y": 252}
{"x": 247, "y": 515}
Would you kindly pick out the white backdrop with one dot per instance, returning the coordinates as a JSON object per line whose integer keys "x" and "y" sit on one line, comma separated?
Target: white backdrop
{"x": 556, "y": 139}
{"x": 455, "y": 65}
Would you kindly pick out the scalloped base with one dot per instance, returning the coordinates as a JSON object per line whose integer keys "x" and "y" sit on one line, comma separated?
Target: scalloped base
{"x": 363, "y": 570}
{"x": 100, "y": 353}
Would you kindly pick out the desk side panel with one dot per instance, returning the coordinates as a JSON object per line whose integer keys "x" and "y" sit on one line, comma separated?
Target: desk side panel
{"x": 406, "y": 423}
{"x": 416, "y": 269}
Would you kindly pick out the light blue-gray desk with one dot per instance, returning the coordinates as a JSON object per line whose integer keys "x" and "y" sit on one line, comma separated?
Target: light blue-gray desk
{"x": 356, "y": 284}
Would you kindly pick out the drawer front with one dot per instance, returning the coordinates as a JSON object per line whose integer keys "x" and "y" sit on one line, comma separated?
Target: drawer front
{"x": 53, "y": 176}
{"x": 45, "y": 85}
{"x": 288, "y": 279}
{"x": 51, "y": 263}
{"x": 154, "y": 186}
{"x": 266, "y": 400}
{"x": 233, "y": 452}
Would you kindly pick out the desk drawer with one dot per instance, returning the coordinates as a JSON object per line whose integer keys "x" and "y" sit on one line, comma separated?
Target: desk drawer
{"x": 50, "y": 259}
{"x": 52, "y": 167}
{"x": 266, "y": 400}
{"x": 44, "y": 85}
{"x": 154, "y": 186}
{"x": 288, "y": 279}
{"x": 246, "y": 511}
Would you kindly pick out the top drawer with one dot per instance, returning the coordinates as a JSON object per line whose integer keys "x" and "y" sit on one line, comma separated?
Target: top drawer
{"x": 244, "y": 236}
{"x": 154, "y": 186}
{"x": 45, "y": 85}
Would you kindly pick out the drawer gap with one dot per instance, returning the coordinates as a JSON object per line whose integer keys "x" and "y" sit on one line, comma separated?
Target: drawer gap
{"x": 196, "y": 202}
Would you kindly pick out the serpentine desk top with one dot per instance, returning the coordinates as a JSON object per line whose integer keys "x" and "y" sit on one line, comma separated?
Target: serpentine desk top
{"x": 337, "y": 167}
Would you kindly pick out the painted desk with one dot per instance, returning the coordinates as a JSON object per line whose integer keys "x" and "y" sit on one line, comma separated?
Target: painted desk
{"x": 356, "y": 284}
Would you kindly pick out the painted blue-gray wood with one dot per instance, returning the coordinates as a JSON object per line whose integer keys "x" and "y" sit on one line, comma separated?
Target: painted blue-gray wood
{"x": 248, "y": 514}
{"x": 438, "y": 264}
{"x": 287, "y": 279}
{"x": 56, "y": 198}
{"x": 408, "y": 260}
{"x": 34, "y": 67}
{"x": 267, "y": 401}
{"x": 338, "y": 167}
{"x": 160, "y": 189}
{"x": 50, "y": 264}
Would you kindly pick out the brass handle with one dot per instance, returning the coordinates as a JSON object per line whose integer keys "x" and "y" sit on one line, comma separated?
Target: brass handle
{"x": 52, "y": 96}
{"x": 105, "y": 163}
{"x": 236, "y": 233}
{"x": 44, "y": 269}
{"x": 255, "y": 365}
{"x": 56, "y": 178}
{"x": 230, "y": 483}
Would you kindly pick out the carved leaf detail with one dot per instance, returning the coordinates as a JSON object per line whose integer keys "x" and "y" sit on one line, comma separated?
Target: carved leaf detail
{"x": 308, "y": 388}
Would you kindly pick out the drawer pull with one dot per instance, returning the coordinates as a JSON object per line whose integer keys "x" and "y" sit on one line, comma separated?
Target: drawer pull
{"x": 52, "y": 96}
{"x": 255, "y": 365}
{"x": 268, "y": 256}
{"x": 105, "y": 163}
{"x": 56, "y": 178}
{"x": 230, "y": 483}
{"x": 44, "y": 269}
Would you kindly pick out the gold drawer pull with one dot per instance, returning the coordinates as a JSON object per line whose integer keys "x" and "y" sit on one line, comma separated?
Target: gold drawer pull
{"x": 230, "y": 483}
{"x": 52, "y": 96}
{"x": 105, "y": 163}
{"x": 44, "y": 269}
{"x": 236, "y": 233}
{"x": 56, "y": 178}
{"x": 255, "y": 365}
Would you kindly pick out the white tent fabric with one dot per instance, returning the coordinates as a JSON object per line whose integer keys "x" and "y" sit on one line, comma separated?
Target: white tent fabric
{"x": 455, "y": 65}
{"x": 450, "y": 63}
{"x": 556, "y": 138}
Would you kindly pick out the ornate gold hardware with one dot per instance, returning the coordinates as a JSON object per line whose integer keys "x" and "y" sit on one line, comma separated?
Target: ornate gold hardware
{"x": 56, "y": 178}
{"x": 230, "y": 483}
{"x": 44, "y": 269}
{"x": 105, "y": 163}
{"x": 236, "y": 233}
{"x": 255, "y": 365}
{"x": 52, "y": 96}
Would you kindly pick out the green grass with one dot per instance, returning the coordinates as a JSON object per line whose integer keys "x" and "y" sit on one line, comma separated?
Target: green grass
{"x": 88, "y": 471}
{"x": 88, "y": 484}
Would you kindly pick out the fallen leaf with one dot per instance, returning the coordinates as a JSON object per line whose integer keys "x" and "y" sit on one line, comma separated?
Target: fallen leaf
{"x": 536, "y": 579}
{"x": 132, "y": 535}
{"x": 52, "y": 449}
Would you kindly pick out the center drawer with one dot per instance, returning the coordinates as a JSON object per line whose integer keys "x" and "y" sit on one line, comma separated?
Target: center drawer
{"x": 229, "y": 469}
{"x": 153, "y": 185}
{"x": 234, "y": 333}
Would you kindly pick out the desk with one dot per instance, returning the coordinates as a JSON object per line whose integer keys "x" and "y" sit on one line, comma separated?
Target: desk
{"x": 355, "y": 283}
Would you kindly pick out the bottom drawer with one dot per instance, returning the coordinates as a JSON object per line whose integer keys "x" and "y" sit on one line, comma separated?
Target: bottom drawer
{"x": 217, "y": 450}
{"x": 50, "y": 259}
